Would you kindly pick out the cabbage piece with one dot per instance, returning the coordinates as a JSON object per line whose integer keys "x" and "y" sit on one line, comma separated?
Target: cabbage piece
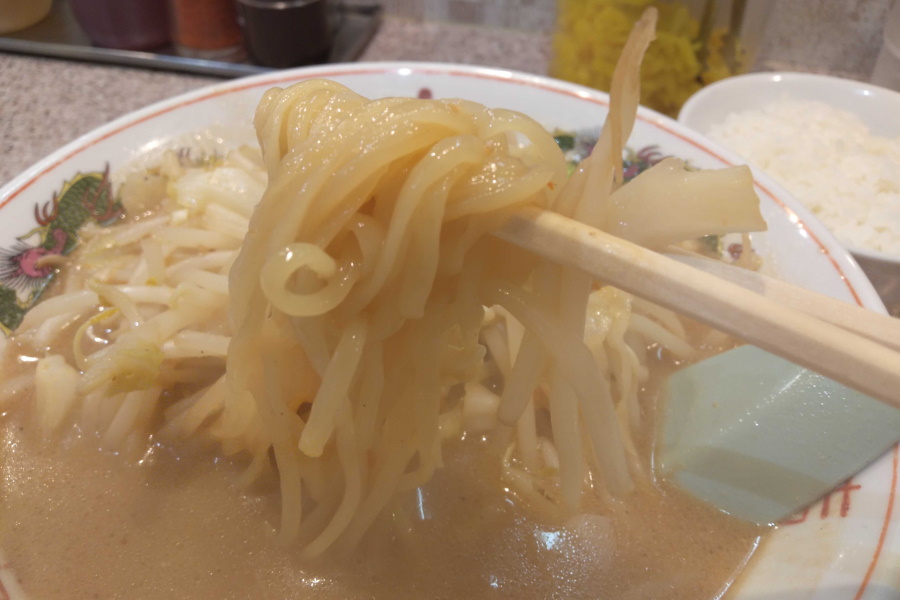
{"x": 230, "y": 187}
{"x": 479, "y": 409}
{"x": 667, "y": 204}
{"x": 56, "y": 389}
{"x": 142, "y": 191}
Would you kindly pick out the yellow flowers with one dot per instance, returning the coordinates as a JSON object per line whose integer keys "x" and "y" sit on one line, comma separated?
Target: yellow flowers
{"x": 590, "y": 35}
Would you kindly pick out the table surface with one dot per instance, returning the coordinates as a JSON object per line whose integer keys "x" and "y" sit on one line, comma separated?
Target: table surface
{"x": 46, "y": 103}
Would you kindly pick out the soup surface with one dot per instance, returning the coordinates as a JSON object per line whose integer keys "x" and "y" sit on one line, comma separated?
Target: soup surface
{"x": 82, "y": 523}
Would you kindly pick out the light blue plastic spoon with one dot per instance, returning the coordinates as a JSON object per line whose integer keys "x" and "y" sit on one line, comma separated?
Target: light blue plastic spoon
{"x": 761, "y": 438}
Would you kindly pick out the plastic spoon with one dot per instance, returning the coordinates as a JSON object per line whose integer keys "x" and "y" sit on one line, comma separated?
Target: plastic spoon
{"x": 760, "y": 438}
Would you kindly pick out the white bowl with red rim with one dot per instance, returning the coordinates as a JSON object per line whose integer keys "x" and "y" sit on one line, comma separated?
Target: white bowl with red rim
{"x": 844, "y": 547}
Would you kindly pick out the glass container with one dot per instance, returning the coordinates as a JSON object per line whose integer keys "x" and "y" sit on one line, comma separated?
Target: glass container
{"x": 206, "y": 29}
{"x": 697, "y": 42}
{"x": 16, "y": 15}
{"x": 123, "y": 24}
{"x": 288, "y": 33}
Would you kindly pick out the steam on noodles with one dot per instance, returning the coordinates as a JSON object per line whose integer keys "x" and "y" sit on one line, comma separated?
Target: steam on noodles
{"x": 335, "y": 316}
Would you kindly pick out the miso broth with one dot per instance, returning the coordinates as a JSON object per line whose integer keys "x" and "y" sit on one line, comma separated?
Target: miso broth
{"x": 81, "y": 523}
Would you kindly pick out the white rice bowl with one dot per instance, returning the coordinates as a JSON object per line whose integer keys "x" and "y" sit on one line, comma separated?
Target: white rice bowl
{"x": 833, "y": 143}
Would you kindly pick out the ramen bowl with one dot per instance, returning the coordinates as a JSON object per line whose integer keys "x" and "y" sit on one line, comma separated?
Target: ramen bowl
{"x": 843, "y": 547}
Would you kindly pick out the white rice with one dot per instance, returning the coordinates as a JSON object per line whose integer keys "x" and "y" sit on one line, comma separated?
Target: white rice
{"x": 830, "y": 161}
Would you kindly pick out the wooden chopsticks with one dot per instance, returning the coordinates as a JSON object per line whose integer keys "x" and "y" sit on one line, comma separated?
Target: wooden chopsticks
{"x": 807, "y": 337}
{"x": 852, "y": 317}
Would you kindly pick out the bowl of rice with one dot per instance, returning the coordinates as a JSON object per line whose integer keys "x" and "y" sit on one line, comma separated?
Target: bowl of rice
{"x": 833, "y": 143}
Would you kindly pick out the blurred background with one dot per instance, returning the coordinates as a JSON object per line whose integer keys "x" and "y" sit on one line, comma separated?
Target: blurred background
{"x": 49, "y": 49}
{"x": 838, "y": 37}
{"x": 842, "y": 37}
